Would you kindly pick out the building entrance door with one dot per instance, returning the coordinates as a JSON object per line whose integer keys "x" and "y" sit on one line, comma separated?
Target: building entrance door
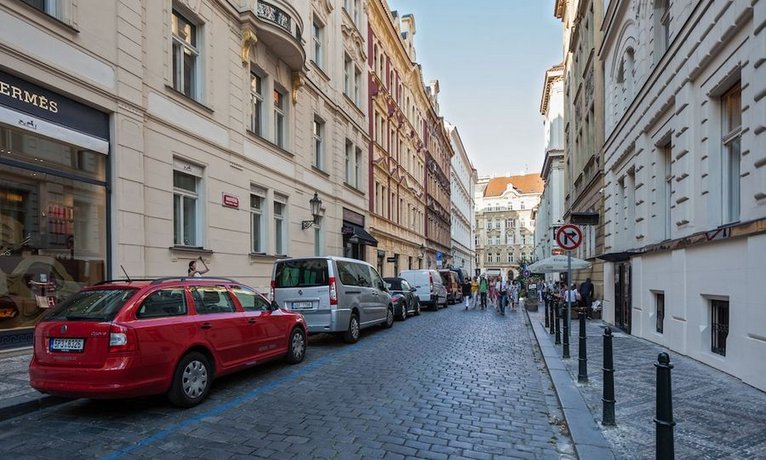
{"x": 622, "y": 296}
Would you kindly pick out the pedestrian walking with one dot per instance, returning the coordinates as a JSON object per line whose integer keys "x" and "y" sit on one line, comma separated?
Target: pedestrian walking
{"x": 193, "y": 271}
{"x": 515, "y": 291}
{"x": 493, "y": 288}
{"x": 483, "y": 290}
{"x": 467, "y": 292}
{"x": 503, "y": 296}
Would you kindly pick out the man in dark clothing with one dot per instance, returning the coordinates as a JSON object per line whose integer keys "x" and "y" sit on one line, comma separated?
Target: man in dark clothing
{"x": 586, "y": 294}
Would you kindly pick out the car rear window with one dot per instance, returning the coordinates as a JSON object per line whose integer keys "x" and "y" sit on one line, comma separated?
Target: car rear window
{"x": 301, "y": 273}
{"x": 92, "y": 305}
{"x": 394, "y": 284}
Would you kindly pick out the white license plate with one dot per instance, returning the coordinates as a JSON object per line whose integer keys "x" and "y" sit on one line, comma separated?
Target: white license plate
{"x": 302, "y": 305}
{"x": 68, "y": 345}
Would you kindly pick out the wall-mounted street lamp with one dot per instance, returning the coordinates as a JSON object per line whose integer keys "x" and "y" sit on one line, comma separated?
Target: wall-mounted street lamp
{"x": 316, "y": 209}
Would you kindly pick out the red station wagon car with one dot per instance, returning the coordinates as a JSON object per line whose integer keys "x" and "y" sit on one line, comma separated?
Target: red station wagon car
{"x": 170, "y": 335}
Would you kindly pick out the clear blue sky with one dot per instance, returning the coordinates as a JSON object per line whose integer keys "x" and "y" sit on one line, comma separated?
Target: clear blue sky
{"x": 490, "y": 57}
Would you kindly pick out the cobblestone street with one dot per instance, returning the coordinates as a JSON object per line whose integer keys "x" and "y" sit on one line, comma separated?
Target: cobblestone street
{"x": 447, "y": 384}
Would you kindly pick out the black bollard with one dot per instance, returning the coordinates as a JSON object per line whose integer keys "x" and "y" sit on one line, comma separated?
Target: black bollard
{"x": 547, "y": 318}
{"x": 664, "y": 419}
{"x": 565, "y": 332}
{"x": 558, "y": 324}
{"x": 582, "y": 353}
{"x": 552, "y": 310}
{"x": 607, "y": 414}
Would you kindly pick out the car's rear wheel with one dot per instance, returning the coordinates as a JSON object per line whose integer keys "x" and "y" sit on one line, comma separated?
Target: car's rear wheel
{"x": 352, "y": 334}
{"x": 389, "y": 317}
{"x": 403, "y": 314}
{"x": 191, "y": 380}
{"x": 296, "y": 350}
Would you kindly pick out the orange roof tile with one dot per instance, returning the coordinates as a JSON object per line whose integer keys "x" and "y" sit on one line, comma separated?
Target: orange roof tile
{"x": 528, "y": 183}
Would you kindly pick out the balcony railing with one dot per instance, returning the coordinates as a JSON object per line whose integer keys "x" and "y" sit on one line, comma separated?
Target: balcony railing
{"x": 276, "y": 15}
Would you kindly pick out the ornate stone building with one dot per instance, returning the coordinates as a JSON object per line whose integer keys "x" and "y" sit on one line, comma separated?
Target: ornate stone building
{"x": 408, "y": 139}
{"x": 685, "y": 177}
{"x": 463, "y": 179}
{"x": 505, "y": 226}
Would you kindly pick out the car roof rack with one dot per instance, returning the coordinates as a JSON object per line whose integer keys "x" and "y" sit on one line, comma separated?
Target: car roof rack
{"x": 122, "y": 280}
{"x": 185, "y": 278}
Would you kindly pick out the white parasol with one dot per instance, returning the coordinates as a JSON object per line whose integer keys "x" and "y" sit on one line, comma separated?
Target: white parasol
{"x": 556, "y": 264}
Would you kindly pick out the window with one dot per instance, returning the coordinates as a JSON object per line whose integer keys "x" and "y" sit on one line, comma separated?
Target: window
{"x": 257, "y": 221}
{"x": 489, "y": 257}
{"x": 185, "y": 212}
{"x": 661, "y": 27}
{"x": 163, "y": 303}
{"x": 279, "y": 226}
{"x": 318, "y": 240}
{"x": 185, "y": 56}
{"x": 318, "y": 37}
{"x": 720, "y": 326}
{"x": 357, "y": 86}
{"x": 659, "y": 299}
{"x": 358, "y": 168}
{"x": 731, "y": 105}
{"x": 53, "y": 8}
{"x": 212, "y": 299}
{"x": 666, "y": 188}
{"x": 250, "y": 300}
{"x": 318, "y": 130}
{"x": 348, "y": 75}
{"x": 349, "y": 162}
{"x": 256, "y": 104}
{"x": 279, "y": 118}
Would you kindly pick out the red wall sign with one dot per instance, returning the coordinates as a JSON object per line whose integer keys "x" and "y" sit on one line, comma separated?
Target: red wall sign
{"x": 230, "y": 201}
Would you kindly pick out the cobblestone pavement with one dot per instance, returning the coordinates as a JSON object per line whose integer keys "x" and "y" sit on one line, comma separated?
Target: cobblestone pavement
{"x": 717, "y": 416}
{"x": 447, "y": 384}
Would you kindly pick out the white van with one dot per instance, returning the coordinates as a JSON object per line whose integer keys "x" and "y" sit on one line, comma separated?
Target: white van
{"x": 334, "y": 294}
{"x": 429, "y": 286}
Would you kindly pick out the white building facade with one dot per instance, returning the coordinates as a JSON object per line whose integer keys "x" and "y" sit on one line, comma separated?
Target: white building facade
{"x": 550, "y": 212}
{"x": 463, "y": 179}
{"x": 505, "y": 225}
{"x": 685, "y": 184}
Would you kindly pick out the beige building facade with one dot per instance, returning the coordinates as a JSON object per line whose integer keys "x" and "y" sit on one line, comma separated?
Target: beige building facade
{"x": 210, "y": 143}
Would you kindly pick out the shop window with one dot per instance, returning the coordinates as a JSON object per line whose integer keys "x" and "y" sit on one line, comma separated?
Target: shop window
{"x": 185, "y": 209}
{"x": 186, "y": 56}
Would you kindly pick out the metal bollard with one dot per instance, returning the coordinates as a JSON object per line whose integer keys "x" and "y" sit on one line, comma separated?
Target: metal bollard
{"x": 547, "y": 318}
{"x": 565, "y": 332}
{"x": 664, "y": 420}
{"x": 553, "y": 316}
{"x": 582, "y": 353}
{"x": 558, "y": 324}
{"x": 607, "y": 398}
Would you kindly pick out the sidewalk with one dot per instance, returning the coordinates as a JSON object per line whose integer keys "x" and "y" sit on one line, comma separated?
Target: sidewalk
{"x": 717, "y": 416}
{"x": 16, "y": 396}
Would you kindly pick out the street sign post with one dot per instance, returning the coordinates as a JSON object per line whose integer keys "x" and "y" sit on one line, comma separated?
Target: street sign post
{"x": 569, "y": 238}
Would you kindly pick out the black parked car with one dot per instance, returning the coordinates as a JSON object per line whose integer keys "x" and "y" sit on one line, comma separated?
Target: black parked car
{"x": 403, "y": 295}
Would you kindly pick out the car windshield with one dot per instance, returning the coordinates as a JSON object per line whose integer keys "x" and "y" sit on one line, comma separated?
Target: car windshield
{"x": 92, "y": 305}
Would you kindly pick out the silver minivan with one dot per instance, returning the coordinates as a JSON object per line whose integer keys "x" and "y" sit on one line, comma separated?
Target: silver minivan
{"x": 429, "y": 286}
{"x": 334, "y": 294}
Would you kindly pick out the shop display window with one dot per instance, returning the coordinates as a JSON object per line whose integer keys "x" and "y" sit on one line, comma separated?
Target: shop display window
{"x": 53, "y": 224}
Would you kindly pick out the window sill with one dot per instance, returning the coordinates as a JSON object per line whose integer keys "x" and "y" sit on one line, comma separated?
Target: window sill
{"x": 353, "y": 189}
{"x": 319, "y": 71}
{"x": 267, "y": 143}
{"x": 353, "y": 104}
{"x": 319, "y": 170}
{"x": 190, "y": 250}
{"x": 188, "y": 101}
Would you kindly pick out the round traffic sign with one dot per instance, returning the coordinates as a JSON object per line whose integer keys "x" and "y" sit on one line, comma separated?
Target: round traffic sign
{"x": 569, "y": 237}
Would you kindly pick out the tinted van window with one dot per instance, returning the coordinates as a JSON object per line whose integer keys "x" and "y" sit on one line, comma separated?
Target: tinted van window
{"x": 301, "y": 273}
{"x": 353, "y": 274}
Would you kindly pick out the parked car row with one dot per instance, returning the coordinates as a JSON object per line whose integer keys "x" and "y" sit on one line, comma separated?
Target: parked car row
{"x": 175, "y": 335}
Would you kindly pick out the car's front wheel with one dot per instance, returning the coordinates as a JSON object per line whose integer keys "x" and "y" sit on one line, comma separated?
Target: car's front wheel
{"x": 296, "y": 350}
{"x": 191, "y": 380}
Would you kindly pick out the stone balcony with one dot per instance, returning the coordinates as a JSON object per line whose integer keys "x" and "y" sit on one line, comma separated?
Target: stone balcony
{"x": 277, "y": 24}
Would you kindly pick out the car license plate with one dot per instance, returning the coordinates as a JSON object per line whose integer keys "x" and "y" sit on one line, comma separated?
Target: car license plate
{"x": 302, "y": 305}
{"x": 67, "y": 345}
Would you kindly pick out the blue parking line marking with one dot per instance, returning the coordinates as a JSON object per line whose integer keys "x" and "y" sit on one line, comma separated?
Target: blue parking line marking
{"x": 223, "y": 407}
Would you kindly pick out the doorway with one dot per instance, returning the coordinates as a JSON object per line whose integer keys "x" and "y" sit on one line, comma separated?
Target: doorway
{"x": 622, "y": 296}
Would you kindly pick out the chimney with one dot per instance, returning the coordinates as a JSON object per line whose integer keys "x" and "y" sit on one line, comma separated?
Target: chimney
{"x": 433, "y": 91}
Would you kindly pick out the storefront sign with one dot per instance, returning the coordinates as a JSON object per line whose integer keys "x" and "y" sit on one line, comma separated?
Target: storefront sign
{"x": 230, "y": 201}
{"x": 34, "y": 100}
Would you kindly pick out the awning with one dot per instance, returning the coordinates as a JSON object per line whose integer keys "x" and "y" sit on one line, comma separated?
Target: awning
{"x": 359, "y": 233}
{"x": 618, "y": 256}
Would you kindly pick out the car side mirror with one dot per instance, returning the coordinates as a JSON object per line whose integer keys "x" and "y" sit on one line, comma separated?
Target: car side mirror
{"x": 274, "y": 305}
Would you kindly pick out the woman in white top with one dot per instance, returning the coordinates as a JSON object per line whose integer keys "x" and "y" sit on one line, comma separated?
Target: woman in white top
{"x": 193, "y": 272}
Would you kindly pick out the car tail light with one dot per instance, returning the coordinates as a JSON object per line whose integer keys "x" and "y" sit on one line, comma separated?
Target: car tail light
{"x": 121, "y": 339}
{"x": 333, "y": 292}
{"x": 272, "y": 294}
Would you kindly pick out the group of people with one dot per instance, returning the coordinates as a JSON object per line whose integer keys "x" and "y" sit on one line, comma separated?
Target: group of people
{"x": 581, "y": 297}
{"x": 493, "y": 291}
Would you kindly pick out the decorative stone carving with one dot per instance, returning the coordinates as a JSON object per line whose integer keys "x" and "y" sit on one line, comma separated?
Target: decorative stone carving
{"x": 249, "y": 39}
{"x": 298, "y": 80}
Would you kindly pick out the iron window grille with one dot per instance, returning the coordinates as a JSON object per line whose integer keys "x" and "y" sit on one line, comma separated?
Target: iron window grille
{"x": 720, "y": 326}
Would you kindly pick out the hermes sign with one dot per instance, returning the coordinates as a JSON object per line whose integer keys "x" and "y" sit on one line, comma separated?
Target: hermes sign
{"x": 28, "y": 97}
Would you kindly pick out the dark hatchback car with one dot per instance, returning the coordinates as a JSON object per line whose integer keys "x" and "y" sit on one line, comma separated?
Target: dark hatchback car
{"x": 122, "y": 339}
{"x": 404, "y": 296}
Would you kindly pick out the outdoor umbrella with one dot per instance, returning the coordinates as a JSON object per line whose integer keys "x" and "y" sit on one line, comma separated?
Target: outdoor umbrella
{"x": 555, "y": 264}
